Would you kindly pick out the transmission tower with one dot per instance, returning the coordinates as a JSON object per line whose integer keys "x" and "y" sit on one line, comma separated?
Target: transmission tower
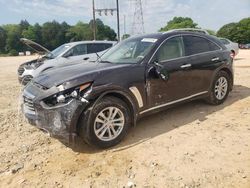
{"x": 138, "y": 22}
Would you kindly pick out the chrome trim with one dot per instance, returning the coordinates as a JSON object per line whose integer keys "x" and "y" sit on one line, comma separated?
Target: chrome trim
{"x": 186, "y": 66}
{"x": 173, "y": 102}
{"x": 181, "y": 35}
{"x": 137, "y": 95}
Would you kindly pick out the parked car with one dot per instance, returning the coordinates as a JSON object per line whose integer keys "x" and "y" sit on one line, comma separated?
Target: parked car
{"x": 232, "y": 46}
{"x": 141, "y": 75}
{"x": 64, "y": 55}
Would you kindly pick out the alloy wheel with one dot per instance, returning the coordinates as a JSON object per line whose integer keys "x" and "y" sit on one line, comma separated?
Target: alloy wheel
{"x": 221, "y": 88}
{"x": 109, "y": 123}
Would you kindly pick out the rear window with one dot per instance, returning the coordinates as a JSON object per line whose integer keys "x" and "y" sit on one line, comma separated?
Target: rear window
{"x": 196, "y": 45}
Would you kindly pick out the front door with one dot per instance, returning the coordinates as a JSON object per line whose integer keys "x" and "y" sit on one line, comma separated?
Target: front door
{"x": 178, "y": 83}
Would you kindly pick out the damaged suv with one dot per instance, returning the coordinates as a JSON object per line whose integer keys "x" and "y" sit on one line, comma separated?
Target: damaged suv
{"x": 141, "y": 75}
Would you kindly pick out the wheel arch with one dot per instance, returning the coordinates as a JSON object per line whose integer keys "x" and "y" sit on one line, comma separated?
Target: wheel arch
{"x": 229, "y": 72}
{"x": 112, "y": 93}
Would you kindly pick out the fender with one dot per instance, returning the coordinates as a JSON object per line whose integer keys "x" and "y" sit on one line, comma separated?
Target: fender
{"x": 98, "y": 92}
{"x": 228, "y": 70}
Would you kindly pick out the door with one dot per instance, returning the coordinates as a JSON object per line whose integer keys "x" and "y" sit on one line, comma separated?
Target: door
{"x": 77, "y": 53}
{"x": 205, "y": 57}
{"x": 170, "y": 57}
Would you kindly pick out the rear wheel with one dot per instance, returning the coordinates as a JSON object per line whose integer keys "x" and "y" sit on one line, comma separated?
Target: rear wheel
{"x": 107, "y": 123}
{"x": 220, "y": 88}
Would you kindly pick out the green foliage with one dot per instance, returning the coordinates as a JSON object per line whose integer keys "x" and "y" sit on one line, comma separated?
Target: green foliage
{"x": 13, "y": 34}
{"x": 178, "y": 23}
{"x": 53, "y": 34}
{"x": 81, "y": 31}
{"x": 211, "y": 32}
{"x": 2, "y": 40}
{"x": 125, "y": 36}
{"x": 104, "y": 32}
{"x": 13, "y": 52}
{"x": 238, "y": 32}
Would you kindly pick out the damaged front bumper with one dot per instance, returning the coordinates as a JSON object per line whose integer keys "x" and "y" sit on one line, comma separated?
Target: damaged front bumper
{"x": 59, "y": 121}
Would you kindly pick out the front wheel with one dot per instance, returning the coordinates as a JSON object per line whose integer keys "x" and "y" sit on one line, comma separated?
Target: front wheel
{"x": 220, "y": 88}
{"x": 107, "y": 123}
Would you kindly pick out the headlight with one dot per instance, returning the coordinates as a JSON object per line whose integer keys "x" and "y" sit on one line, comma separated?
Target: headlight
{"x": 65, "y": 95}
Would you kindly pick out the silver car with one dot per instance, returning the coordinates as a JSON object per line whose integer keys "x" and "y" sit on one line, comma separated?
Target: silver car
{"x": 232, "y": 46}
{"x": 66, "y": 54}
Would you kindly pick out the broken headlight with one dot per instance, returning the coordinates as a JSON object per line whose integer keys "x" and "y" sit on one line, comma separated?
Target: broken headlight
{"x": 64, "y": 96}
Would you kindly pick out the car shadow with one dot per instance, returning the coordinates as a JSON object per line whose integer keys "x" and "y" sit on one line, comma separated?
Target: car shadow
{"x": 160, "y": 123}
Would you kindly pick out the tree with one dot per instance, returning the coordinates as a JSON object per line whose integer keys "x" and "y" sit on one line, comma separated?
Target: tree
{"x": 238, "y": 32}
{"x": 53, "y": 34}
{"x": 227, "y": 31}
{"x": 179, "y": 22}
{"x": 24, "y": 24}
{"x": 13, "y": 37}
{"x": 104, "y": 32}
{"x": 81, "y": 31}
{"x": 2, "y": 40}
{"x": 30, "y": 33}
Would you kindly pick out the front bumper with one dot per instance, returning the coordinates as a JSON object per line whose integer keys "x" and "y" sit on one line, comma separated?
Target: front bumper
{"x": 59, "y": 121}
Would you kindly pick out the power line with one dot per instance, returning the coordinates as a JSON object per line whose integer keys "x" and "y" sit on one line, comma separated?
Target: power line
{"x": 106, "y": 11}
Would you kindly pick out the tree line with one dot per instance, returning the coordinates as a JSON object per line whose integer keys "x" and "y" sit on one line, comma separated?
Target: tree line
{"x": 53, "y": 34}
{"x": 50, "y": 34}
{"x": 238, "y": 32}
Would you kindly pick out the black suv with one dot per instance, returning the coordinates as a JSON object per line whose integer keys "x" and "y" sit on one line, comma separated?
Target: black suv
{"x": 141, "y": 75}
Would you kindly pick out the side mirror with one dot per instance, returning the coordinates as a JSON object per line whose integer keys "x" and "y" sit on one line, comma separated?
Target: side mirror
{"x": 161, "y": 71}
{"x": 69, "y": 54}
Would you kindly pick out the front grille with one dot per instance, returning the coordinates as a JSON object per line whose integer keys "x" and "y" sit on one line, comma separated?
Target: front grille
{"x": 28, "y": 103}
{"x": 20, "y": 70}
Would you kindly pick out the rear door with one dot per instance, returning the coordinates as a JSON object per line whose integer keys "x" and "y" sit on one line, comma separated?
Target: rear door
{"x": 205, "y": 57}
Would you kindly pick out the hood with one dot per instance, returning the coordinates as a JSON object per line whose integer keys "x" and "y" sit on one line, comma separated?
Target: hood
{"x": 75, "y": 74}
{"x": 33, "y": 45}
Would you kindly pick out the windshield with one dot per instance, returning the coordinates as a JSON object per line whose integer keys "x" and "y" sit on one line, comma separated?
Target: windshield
{"x": 58, "y": 51}
{"x": 129, "y": 51}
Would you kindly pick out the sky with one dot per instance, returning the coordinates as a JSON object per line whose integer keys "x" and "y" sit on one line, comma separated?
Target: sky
{"x": 207, "y": 13}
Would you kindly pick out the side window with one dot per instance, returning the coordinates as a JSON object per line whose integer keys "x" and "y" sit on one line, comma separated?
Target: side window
{"x": 196, "y": 45}
{"x": 171, "y": 49}
{"x": 80, "y": 49}
{"x": 94, "y": 48}
{"x": 108, "y": 45}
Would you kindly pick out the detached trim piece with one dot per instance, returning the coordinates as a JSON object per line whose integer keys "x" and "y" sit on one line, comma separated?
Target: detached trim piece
{"x": 173, "y": 102}
{"x": 137, "y": 95}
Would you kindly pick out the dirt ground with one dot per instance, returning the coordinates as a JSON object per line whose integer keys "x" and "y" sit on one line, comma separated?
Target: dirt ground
{"x": 192, "y": 145}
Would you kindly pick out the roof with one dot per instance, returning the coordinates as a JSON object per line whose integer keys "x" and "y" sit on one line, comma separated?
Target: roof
{"x": 92, "y": 42}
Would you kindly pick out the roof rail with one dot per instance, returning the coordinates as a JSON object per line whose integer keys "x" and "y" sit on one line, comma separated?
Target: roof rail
{"x": 192, "y": 30}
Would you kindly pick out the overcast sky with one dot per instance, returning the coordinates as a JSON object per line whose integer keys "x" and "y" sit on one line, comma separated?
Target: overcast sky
{"x": 207, "y": 13}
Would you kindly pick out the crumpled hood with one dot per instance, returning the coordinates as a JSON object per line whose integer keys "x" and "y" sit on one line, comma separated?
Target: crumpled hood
{"x": 75, "y": 74}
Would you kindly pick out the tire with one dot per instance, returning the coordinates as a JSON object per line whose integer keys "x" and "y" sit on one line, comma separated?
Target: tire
{"x": 214, "y": 97}
{"x": 92, "y": 122}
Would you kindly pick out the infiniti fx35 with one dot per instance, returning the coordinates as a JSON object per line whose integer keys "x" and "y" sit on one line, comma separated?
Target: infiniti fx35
{"x": 141, "y": 75}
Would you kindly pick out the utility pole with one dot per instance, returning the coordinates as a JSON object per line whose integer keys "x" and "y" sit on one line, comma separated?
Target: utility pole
{"x": 118, "y": 20}
{"x": 106, "y": 10}
{"x": 94, "y": 21}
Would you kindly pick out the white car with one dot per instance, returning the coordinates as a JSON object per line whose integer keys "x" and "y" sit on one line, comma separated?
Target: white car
{"x": 232, "y": 46}
{"x": 67, "y": 54}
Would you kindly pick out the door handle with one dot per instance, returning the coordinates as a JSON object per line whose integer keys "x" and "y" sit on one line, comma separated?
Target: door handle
{"x": 215, "y": 59}
{"x": 186, "y": 66}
